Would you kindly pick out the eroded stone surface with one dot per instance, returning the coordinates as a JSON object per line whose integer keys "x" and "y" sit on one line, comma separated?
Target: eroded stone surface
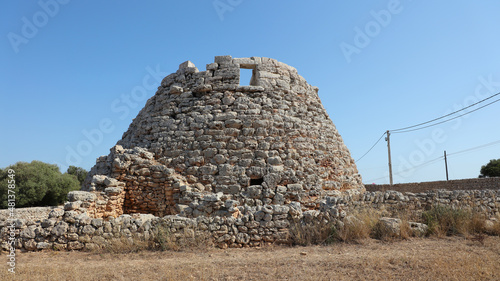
{"x": 203, "y": 135}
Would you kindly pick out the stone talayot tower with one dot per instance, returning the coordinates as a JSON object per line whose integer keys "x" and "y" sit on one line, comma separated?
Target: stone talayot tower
{"x": 206, "y": 145}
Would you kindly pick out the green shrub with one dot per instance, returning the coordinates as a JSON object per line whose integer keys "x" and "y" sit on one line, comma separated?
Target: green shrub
{"x": 492, "y": 169}
{"x": 78, "y": 172}
{"x": 36, "y": 184}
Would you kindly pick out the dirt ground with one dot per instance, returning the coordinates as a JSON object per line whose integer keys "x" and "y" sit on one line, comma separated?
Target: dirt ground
{"x": 415, "y": 259}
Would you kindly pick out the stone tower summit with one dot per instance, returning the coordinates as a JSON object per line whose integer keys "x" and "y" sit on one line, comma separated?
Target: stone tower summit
{"x": 205, "y": 144}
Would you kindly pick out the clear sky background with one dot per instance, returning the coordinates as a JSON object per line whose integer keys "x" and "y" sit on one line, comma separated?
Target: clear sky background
{"x": 74, "y": 74}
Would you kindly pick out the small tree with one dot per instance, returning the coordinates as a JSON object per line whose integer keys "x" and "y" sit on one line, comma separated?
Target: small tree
{"x": 78, "y": 172}
{"x": 37, "y": 184}
{"x": 492, "y": 169}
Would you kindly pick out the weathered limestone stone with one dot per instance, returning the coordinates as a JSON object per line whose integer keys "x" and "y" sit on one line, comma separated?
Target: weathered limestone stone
{"x": 60, "y": 229}
{"x": 418, "y": 229}
{"x": 28, "y": 233}
{"x": 47, "y": 223}
{"x": 69, "y": 206}
{"x": 43, "y": 245}
{"x": 392, "y": 226}
{"x": 74, "y": 196}
{"x": 56, "y": 213}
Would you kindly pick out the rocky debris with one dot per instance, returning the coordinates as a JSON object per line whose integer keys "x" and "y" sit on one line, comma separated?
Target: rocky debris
{"x": 418, "y": 229}
{"x": 392, "y": 227}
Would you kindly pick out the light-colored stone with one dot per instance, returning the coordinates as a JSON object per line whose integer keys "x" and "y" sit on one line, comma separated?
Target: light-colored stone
{"x": 81, "y": 196}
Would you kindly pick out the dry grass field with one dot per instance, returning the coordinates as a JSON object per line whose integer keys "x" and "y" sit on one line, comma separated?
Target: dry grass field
{"x": 450, "y": 258}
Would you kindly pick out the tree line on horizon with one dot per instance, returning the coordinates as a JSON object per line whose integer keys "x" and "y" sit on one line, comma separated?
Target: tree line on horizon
{"x": 490, "y": 170}
{"x": 39, "y": 184}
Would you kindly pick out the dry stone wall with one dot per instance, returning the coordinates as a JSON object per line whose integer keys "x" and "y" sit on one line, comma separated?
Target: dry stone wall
{"x": 486, "y": 201}
{"x": 204, "y": 136}
{"x": 33, "y": 213}
{"x": 464, "y": 184}
{"x": 74, "y": 229}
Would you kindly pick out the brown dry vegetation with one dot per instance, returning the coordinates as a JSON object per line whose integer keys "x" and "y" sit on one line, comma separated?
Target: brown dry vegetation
{"x": 414, "y": 259}
{"x": 348, "y": 252}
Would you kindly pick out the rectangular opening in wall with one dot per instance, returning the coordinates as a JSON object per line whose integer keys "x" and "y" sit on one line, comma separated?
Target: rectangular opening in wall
{"x": 257, "y": 181}
{"x": 246, "y": 76}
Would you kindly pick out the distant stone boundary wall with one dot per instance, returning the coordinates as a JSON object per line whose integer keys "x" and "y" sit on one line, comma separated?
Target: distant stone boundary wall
{"x": 466, "y": 184}
{"x": 254, "y": 226}
{"x": 33, "y": 213}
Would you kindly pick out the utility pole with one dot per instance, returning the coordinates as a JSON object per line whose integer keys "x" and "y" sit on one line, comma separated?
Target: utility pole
{"x": 446, "y": 164}
{"x": 389, "y": 153}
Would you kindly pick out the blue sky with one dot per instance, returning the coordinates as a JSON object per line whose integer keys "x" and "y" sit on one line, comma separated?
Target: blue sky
{"x": 75, "y": 73}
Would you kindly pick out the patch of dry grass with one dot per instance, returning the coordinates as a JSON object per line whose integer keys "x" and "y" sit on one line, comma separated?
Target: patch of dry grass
{"x": 364, "y": 223}
{"x": 123, "y": 245}
{"x": 451, "y": 258}
{"x": 161, "y": 240}
{"x": 359, "y": 225}
{"x": 496, "y": 228}
{"x": 314, "y": 233}
{"x": 444, "y": 220}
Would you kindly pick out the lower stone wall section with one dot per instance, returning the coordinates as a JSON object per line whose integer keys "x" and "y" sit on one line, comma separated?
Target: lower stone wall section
{"x": 75, "y": 229}
{"x": 486, "y": 202}
{"x": 70, "y": 230}
{"x": 465, "y": 184}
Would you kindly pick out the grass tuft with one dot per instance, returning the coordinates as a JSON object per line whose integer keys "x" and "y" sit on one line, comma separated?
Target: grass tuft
{"x": 447, "y": 221}
{"x": 358, "y": 226}
{"x": 313, "y": 233}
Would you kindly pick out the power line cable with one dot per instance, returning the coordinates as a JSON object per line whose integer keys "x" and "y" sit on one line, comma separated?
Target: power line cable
{"x": 421, "y": 165}
{"x": 409, "y": 127}
{"x": 441, "y": 157}
{"x": 371, "y": 147}
{"x": 416, "y": 167}
{"x": 474, "y": 148}
{"x": 448, "y": 119}
{"x": 405, "y": 129}
{"x": 378, "y": 179}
